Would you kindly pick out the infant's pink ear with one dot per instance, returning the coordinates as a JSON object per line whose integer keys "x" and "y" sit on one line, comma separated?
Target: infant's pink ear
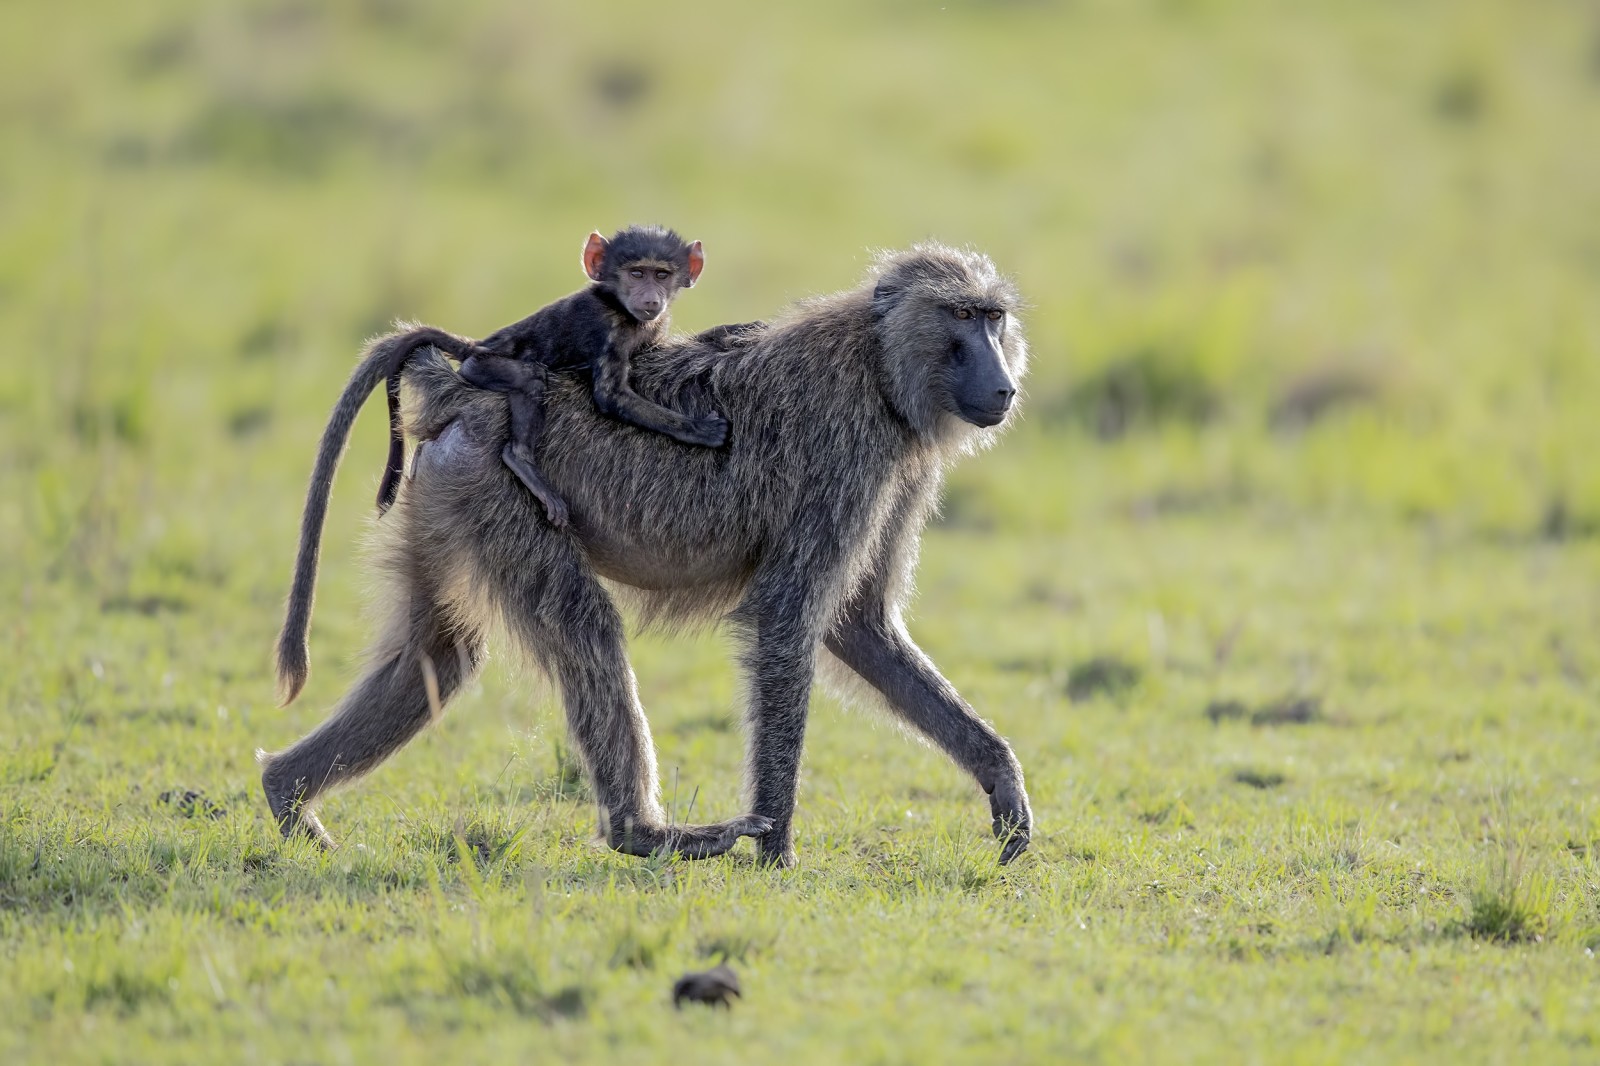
{"x": 697, "y": 262}
{"x": 594, "y": 256}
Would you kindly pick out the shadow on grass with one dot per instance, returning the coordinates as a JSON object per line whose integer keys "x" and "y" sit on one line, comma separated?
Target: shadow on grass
{"x": 1102, "y": 675}
{"x": 1285, "y": 710}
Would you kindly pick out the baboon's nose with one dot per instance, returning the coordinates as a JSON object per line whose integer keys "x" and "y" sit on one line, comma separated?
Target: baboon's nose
{"x": 1004, "y": 396}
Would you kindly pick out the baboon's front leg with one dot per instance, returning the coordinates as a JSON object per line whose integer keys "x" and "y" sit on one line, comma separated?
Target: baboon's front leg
{"x": 880, "y": 650}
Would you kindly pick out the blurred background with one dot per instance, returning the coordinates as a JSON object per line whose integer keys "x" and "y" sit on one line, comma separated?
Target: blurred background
{"x": 1318, "y": 259}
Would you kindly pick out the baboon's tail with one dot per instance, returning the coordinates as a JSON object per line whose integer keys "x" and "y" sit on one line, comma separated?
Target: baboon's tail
{"x": 384, "y": 358}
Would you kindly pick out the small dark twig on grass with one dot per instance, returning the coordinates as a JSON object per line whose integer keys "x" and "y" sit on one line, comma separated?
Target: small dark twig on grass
{"x": 712, "y": 987}
{"x": 1262, "y": 779}
{"x": 192, "y": 803}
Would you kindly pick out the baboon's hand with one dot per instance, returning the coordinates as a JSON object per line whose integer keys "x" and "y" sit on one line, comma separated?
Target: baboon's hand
{"x": 708, "y": 432}
{"x": 1013, "y": 820}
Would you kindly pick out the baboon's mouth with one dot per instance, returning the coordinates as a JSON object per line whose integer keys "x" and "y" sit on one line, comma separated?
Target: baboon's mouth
{"x": 985, "y": 418}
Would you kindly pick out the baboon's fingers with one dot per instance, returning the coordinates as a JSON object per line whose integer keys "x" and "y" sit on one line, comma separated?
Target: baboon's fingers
{"x": 1014, "y": 835}
{"x": 1009, "y": 821}
{"x": 1013, "y": 820}
{"x": 1013, "y": 845}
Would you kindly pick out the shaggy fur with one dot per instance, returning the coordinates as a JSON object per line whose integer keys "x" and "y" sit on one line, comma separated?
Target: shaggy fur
{"x": 801, "y": 534}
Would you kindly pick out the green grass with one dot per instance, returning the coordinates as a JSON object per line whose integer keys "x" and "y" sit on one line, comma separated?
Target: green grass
{"x": 1286, "y": 589}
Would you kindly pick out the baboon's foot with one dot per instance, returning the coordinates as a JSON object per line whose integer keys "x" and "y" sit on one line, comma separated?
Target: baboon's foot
{"x": 686, "y": 841}
{"x": 1013, "y": 819}
{"x": 708, "y": 432}
{"x": 555, "y": 508}
{"x": 293, "y": 816}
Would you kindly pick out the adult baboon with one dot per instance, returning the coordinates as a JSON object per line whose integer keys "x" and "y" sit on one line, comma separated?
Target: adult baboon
{"x": 802, "y": 534}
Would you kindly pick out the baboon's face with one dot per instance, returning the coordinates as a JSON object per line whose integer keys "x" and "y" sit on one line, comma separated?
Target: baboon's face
{"x": 952, "y": 350}
{"x": 645, "y": 285}
{"x": 980, "y": 386}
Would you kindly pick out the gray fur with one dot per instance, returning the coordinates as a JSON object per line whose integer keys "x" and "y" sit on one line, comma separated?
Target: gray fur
{"x": 801, "y": 534}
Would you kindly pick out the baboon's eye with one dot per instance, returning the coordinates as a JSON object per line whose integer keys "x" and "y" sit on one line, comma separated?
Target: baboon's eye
{"x": 663, "y": 275}
{"x": 637, "y": 273}
{"x": 995, "y": 316}
{"x": 963, "y": 313}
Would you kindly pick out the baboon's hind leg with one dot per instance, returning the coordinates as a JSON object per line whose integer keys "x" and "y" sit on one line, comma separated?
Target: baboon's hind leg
{"x": 561, "y": 615}
{"x": 416, "y": 667}
{"x": 523, "y": 384}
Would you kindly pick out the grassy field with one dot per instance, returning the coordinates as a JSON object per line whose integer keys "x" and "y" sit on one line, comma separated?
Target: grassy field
{"x": 1286, "y": 589}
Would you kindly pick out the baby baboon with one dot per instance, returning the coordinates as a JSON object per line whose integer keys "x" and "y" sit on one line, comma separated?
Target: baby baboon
{"x": 801, "y": 534}
{"x": 635, "y": 276}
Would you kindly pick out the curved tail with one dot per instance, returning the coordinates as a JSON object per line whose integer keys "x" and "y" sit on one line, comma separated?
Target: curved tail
{"x": 384, "y": 358}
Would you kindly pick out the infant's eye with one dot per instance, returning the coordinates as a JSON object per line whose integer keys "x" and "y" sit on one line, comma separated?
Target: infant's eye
{"x": 637, "y": 273}
{"x": 663, "y": 275}
{"x": 963, "y": 313}
{"x": 995, "y": 316}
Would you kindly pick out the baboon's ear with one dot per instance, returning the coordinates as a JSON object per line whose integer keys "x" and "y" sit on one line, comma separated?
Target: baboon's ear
{"x": 594, "y": 257}
{"x": 697, "y": 263}
{"x": 885, "y": 297}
